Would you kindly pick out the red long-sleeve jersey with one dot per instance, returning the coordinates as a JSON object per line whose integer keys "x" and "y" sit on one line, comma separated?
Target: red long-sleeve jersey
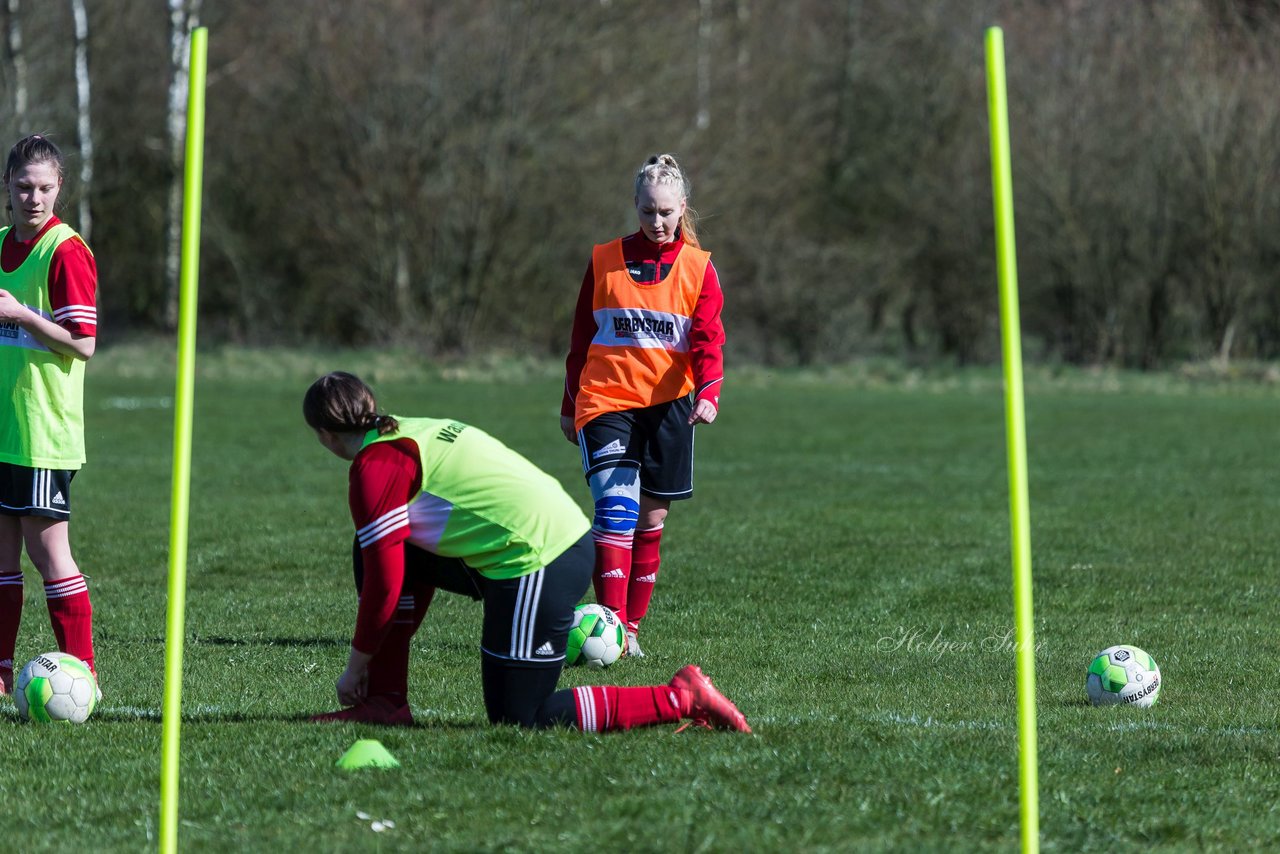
{"x": 73, "y": 278}
{"x": 384, "y": 478}
{"x": 649, "y": 263}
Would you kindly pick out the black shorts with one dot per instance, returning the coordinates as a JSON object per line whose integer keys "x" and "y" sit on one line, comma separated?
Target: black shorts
{"x": 658, "y": 440}
{"x": 35, "y": 492}
{"x": 442, "y": 573}
{"x": 527, "y": 619}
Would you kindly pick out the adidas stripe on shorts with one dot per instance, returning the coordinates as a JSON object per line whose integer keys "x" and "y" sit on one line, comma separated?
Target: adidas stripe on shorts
{"x": 35, "y": 492}
{"x": 527, "y": 619}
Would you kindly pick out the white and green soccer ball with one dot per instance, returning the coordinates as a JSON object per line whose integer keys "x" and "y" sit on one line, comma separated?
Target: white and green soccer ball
{"x": 596, "y": 638}
{"x": 1123, "y": 675}
{"x": 55, "y": 686}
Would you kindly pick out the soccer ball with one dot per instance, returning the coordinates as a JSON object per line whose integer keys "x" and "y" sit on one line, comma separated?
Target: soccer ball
{"x": 1123, "y": 674}
{"x": 596, "y": 638}
{"x": 56, "y": 687}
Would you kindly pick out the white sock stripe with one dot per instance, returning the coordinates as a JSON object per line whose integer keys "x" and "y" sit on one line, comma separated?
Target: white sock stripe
{"x": 65, "y": 588}
{"x": 587, "y": 709}
{"x": 70, "y": 579}
{"x": 14, "y": 580}
{"x": 76, "y": 583}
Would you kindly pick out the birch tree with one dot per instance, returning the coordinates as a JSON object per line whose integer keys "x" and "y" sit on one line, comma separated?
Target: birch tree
{"x": 703, "y": 119}
{"x": 83, "y": 124}
{"x": 184, "y": 16}
{"x": 17, "y": 62}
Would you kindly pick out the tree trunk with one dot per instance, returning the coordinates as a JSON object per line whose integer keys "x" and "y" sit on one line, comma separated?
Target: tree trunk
{"x": 742, "y": 66}
{"x": 184, "y": 16}
{"x": 18, "y": 64}
{"x": 703, "y": 120}
{"x": 83, "y": 125}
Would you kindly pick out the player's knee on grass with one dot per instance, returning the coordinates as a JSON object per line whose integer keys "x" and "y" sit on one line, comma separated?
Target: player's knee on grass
{"x": 525, "y": 696}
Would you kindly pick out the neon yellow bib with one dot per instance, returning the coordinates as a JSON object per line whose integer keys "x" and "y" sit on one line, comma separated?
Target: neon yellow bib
{"x": 485, "y": 503}
{"x": 42, "y": 424}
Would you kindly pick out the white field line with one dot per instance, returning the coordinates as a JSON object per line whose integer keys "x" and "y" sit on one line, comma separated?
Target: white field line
{"x": 890, "y": 717}
{"x": 930, "y": 722}
{"x": 138, "y": 403}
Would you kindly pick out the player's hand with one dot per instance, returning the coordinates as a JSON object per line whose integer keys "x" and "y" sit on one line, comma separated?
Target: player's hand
{"x": 704, "y": 412}
{"x": 10, "y": 308}
{"x": 566, "y": 427}
{"x": 353, "y": 684}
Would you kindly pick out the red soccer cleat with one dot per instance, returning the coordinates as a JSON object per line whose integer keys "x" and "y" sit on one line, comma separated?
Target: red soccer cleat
{"x": 6, "y": 681}
{"x": 702, "y": 702}
{"x": 380, "y": 710}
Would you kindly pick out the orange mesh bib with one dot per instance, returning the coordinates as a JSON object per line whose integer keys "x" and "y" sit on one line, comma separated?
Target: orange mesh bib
{"x": 640, "y": 353}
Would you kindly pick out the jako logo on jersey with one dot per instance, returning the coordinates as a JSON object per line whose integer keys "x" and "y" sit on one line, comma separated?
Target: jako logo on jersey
{"x": 614, "y": 447}
{"x": 545, "y": 649}
{"x": 644, "y": 327}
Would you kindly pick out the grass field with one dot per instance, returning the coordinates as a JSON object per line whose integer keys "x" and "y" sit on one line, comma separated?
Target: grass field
{"x": 843, "y": 574}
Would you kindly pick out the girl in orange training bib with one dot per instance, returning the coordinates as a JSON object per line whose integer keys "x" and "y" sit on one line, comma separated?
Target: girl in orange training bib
{"x": 645, "y": 366}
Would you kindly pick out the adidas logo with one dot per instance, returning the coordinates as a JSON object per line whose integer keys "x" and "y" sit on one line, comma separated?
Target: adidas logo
{"x": 614, "y": 447}
{"x": 651, "y": 578}
{"x": 614, "y": 573}
{"x": 545, "y": 649}
{"x": 58, "y": 499}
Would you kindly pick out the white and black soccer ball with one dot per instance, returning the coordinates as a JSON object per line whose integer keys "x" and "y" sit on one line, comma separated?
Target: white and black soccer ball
{"x": 597, "y": 637}
{"x": 56, "y": 687}
{"x": 1123, "y": 675}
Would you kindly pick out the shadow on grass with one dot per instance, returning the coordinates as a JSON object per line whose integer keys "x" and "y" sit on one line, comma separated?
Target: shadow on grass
{"x": 218, "y": 640}
{"x": 1075, "y": 703}
{"x": 198, "y": 718}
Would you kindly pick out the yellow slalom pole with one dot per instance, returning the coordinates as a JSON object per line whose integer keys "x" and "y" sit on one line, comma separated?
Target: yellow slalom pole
{"x": 1016, "y": 436}
{"x": 182, "y": 419}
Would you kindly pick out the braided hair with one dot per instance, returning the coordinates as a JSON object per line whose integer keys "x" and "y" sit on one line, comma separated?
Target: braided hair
{"x": 663, "y": 169}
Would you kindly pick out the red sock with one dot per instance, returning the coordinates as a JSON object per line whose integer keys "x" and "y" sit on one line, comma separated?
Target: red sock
{"x": 10, "y": 616}
{"x": 613, "y": 570}
{"x": 644, "y": 573}
{"x": 71, "y": 615}
{"x": 605, "y": 708}
{"x": 389, "y": 667}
